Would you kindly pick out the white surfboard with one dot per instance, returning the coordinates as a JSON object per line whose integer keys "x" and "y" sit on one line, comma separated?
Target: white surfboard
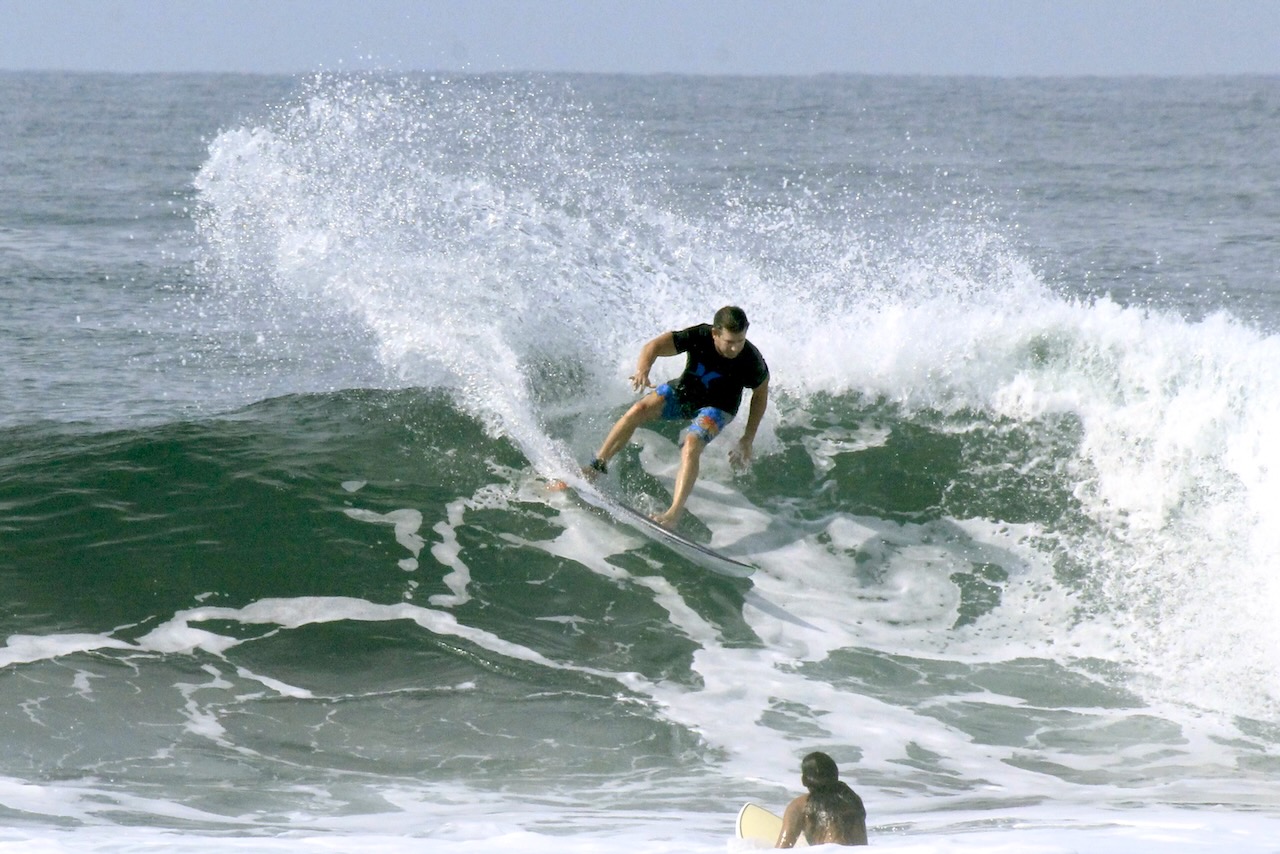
{"x": 761, "y": 826}
{"x": 702, "y": 555}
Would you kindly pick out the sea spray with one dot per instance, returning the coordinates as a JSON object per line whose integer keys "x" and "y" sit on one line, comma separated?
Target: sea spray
{"x": 481, "y": 231}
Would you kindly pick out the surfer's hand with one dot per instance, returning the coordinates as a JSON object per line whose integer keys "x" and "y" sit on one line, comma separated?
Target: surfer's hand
{"x": 640, "y": 381}
{"x": 740, "y": 455}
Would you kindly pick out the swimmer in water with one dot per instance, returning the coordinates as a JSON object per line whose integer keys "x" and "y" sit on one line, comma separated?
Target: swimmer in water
{"x": 831, "y": 812}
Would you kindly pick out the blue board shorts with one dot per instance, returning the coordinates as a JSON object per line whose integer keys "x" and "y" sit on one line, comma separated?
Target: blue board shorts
{"x": 707, "y": 422}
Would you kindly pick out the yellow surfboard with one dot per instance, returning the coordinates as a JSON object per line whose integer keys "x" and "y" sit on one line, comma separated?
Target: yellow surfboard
{"x": 761, "y": 826}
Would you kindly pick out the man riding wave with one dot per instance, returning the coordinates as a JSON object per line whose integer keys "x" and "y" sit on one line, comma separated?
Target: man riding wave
{"x": 721, "y": 363}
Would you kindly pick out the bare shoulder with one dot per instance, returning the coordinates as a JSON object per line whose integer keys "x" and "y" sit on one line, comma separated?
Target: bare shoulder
{"x": 792, "y": 822}
{"x": 797, "y": 804}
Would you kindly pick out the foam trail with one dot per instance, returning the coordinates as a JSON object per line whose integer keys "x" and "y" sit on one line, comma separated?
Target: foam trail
{"x": 25, "y": 649}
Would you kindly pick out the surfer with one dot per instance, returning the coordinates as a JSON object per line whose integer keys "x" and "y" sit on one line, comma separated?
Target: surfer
{"x": 721, "y": 363}
{"x": 831, "y": 812}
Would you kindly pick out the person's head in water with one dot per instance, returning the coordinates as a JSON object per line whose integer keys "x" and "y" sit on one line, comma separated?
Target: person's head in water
{"x": 729, "y": 331}
{"x": 818, "y": 771}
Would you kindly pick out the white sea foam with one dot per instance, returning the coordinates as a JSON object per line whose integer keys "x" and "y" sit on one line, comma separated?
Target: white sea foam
{"x": 22, "y": 649}
{"x": 420, "y": 827}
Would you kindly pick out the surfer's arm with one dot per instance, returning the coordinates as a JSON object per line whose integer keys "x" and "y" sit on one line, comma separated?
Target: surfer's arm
{"x": 741, "y": 455}
{"x": 663, "y": 345}
{"x": 792, "y": 823}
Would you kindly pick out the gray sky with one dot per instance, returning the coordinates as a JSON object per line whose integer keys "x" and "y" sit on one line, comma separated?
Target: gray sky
{"x": 997, "y": 37}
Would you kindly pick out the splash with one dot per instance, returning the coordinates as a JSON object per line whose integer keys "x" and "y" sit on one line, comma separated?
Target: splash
{"x": 495, "y": 237}
{"x": 488, "y": 235}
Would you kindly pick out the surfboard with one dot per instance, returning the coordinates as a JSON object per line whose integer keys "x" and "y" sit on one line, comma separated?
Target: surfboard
{"x": 758, "y": 824}
{"x": 704, "y": 556}
{"x": 761, "y": 826}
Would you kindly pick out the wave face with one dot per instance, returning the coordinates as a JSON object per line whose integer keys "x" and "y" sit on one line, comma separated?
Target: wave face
{"x": 1014, "y": 529}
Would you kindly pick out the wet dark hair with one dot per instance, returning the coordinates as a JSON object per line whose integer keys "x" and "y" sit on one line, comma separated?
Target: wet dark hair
{"x": 731, "y": 319}
{"x": 818, "y": 772}
{"x": 833, "y": 812}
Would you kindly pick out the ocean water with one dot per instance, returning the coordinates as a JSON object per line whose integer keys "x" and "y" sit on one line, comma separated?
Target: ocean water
{"x": 286, "y": 365}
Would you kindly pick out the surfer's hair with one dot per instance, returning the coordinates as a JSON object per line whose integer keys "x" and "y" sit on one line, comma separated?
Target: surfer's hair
{"x": 833, "y": 812}
{"x": 731, "y": 319}
{"x": 818, "y": 772}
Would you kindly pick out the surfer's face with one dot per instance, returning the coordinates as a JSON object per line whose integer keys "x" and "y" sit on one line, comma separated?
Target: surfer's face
{"x": 729, "y": 344}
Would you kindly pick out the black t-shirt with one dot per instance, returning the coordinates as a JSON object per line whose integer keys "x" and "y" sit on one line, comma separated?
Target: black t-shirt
{"x": 710, "y": 379}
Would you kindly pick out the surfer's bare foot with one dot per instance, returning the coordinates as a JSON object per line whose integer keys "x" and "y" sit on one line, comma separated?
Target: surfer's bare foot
{"x": 666, "y": 520}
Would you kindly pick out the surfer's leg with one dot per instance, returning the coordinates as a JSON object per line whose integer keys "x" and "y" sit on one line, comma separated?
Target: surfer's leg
{"x": 706, "y": 425}
{"x": 644, "y": 410}
{"x": 690, "y": 462}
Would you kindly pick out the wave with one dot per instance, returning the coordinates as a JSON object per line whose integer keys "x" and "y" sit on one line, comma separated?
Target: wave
{"x": 972, "y": 534}
{"x": 368, "y": 584}
{"x": 499, "y": 239}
